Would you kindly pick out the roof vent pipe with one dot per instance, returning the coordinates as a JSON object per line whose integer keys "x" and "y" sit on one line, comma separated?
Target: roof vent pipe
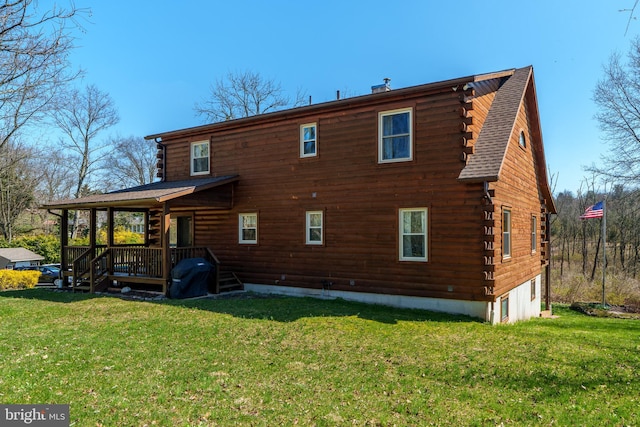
{"x": 385, "y": 87}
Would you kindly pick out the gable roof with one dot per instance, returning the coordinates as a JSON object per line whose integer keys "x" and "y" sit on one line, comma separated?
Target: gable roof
{"x": 19, "y": 254}
{"x": 144, "y": 195}
{"x": 491, "y": 147}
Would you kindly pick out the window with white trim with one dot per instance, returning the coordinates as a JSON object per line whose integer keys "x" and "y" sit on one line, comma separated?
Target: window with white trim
{"x": 533, "y": 289}
{"x": 504, "y": 308}
{"x": 413, "y": 234}
{"x": 314, "y": 227}
{"x": 534, "y": 234}
{"x": 200, "y": 158}
{"x": 395, "y": 138}
{"x": 248, "y": 228}
{"x": 506, "y": 233}
{"x": 308, "y": 140}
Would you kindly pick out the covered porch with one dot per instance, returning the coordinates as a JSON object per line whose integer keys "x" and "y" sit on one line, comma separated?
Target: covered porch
{"x": 164, "y": 214}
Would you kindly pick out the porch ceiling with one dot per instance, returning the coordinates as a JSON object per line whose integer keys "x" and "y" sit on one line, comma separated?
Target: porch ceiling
{"x": 144, "y": 195}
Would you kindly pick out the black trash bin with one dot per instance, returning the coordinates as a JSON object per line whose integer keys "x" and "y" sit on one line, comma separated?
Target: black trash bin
{"x": 190, "y": 278}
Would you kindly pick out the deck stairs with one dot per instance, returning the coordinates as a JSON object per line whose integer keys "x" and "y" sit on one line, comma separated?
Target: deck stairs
{"x": 228, "y": 281}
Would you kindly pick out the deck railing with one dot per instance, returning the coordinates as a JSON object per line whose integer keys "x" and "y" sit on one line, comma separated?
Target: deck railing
{"x": 132, "y": 261}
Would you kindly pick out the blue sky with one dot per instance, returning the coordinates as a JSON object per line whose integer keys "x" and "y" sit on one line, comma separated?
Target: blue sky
{"x": 157, "y": 58}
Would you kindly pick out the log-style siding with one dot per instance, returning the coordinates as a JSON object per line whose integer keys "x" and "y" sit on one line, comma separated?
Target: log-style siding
{"x": 518, "y": 190}
{"x": 360, "y": 198}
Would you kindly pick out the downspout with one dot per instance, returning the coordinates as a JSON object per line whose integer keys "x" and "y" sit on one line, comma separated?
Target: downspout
{"x": 487, "y": 195}
{"x": 492, "y": 315}
{"x": 159, "y": 143}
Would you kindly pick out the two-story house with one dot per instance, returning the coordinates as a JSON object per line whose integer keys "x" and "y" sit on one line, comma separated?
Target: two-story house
{"x": 434, "y": 196}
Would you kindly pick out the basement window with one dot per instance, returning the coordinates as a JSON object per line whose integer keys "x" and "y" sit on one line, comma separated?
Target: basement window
{"x": 504, "y": 308}
{"x": 533, "y": 289}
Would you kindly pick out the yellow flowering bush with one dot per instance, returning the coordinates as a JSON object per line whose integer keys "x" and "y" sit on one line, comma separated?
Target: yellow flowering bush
{"x": 11, "y": 279}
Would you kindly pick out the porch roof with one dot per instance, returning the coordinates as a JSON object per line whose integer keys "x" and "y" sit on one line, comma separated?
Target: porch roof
{"x": 143, "y": 195}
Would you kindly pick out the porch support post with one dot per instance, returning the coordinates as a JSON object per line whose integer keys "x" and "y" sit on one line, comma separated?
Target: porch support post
{"x": 64, "y": 240}
{"x": 110, "y": 227}
{"x": 93, "y": 229}
{"x": 166, "y": 249}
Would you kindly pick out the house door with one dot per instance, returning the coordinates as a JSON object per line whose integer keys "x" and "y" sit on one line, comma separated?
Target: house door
{"x": 181, "y": 231}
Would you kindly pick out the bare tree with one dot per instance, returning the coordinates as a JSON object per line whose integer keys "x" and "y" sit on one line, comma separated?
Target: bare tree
{"x": 33, "y": 61}
{"x": 242, "y": 95}
{"x": 17, "y": 184}
{"x": 131, "y": 162}
{"x": 56, "y": 176}
{"x": 618, "y": 97}
{"x": 81, "y": 117}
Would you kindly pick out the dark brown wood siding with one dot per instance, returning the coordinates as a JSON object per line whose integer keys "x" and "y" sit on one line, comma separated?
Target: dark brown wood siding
{"x": 519, "y": 192}
{"x": 359, "y": 197}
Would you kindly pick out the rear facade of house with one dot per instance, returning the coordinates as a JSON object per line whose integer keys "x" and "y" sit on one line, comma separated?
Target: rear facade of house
{"x": 434, "y": 197}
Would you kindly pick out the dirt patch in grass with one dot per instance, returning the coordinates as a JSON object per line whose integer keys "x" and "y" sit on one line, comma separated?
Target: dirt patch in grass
{"x": 615, "y": 311}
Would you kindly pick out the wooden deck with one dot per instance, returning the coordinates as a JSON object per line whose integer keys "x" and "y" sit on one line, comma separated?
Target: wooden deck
{"x": 96, "y": 269}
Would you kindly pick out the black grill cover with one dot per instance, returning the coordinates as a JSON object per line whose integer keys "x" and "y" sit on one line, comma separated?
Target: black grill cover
{"x": 191, "y": 278}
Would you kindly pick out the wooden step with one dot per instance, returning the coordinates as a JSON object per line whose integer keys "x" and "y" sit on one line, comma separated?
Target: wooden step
{"x": 228, "y": 281}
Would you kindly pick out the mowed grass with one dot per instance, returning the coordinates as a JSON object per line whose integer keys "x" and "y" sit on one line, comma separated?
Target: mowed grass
{"x": 288, "y": 361}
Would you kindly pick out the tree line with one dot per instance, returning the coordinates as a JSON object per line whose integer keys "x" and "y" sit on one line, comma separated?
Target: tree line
{"x": 576, "y": 243}
{"x": 39, "y": 97}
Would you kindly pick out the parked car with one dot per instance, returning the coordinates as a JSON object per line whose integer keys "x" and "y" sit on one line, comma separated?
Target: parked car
{"x": 48, "y": 274}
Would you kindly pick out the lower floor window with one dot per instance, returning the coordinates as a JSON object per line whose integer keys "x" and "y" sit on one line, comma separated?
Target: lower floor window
{"x": 413, "y": 234}
{"x": 314, "y": 228}
{"x": 248, "y": 228}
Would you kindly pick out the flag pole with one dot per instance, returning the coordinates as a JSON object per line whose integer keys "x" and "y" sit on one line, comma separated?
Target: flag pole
{"x": 604, "y": 249}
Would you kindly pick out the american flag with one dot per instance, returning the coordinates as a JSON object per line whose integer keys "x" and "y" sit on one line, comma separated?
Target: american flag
{"x": 593, "y": 211}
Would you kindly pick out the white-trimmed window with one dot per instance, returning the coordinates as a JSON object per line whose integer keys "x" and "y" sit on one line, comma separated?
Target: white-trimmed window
{"x": 308, "y": 140}
{"x": 200, "y": 158}
{"x": 248, "y": 228}
{"x": 504, "y": 308}
{"x": 314, "y": 228}
{"x": 395, "y": 137}
{"x": 534, "y": 234}
{"x": 413, "y": 234}
{"x": 506, "y": 233}
{"x": 533, "y": 289}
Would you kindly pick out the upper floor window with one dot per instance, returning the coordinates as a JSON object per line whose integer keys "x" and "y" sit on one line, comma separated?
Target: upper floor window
{"x": 506, "y": 233}
{"x": 413, "y": 234}
{"x": 395, "y": 137}
{"x": 314, "y": 228}
{"x": 248, "y": 228}
{"x": 200, "y": 158}
{"x": 308, "y": 140}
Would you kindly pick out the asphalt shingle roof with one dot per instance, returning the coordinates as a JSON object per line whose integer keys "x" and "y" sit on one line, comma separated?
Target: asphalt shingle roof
{"x": 491, "y": 147}
{"x": 19, "y": 254}
{"x": 150, "y": 194}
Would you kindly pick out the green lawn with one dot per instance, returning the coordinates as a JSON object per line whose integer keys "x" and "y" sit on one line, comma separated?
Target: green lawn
{"x": 286, "y": 361}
